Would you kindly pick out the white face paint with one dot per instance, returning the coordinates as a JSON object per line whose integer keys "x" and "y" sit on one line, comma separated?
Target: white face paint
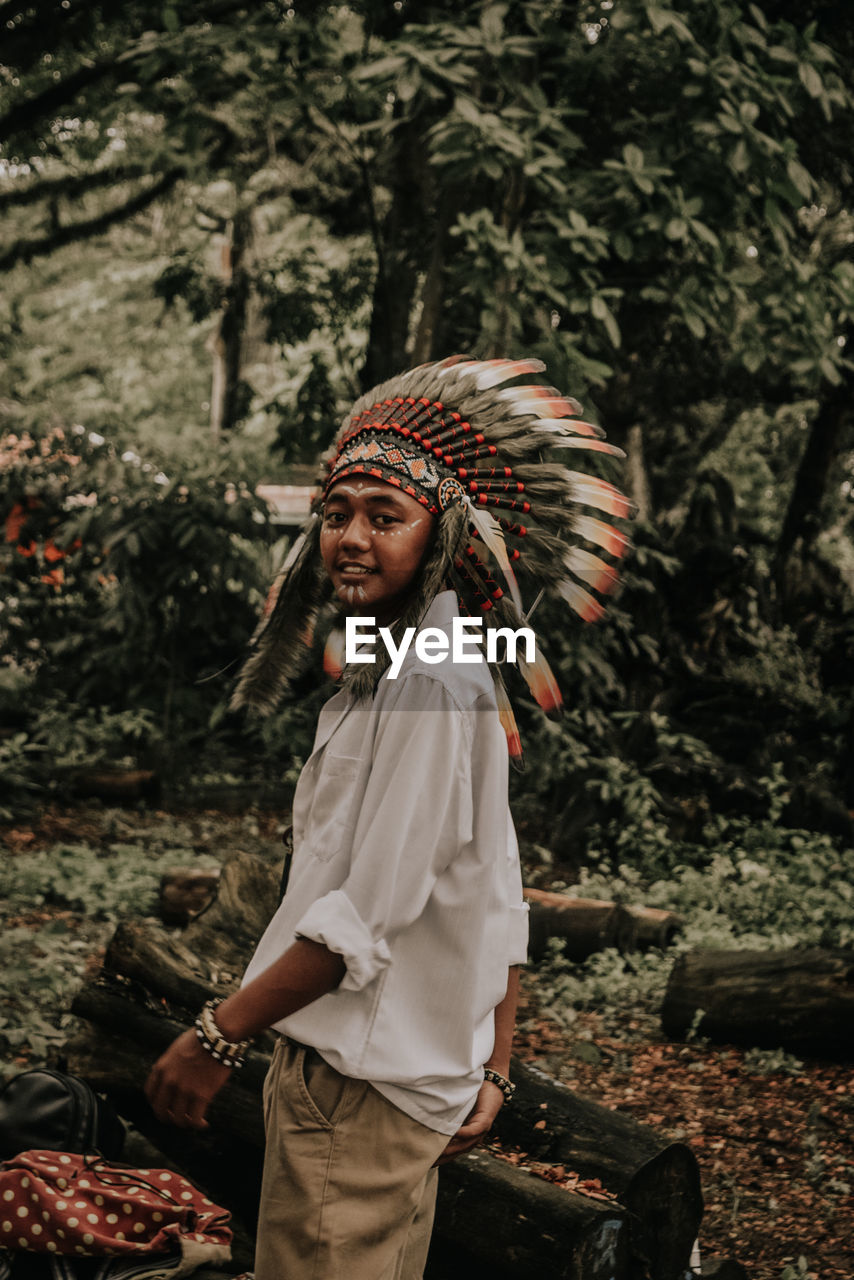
{"x": 395, "y": 531}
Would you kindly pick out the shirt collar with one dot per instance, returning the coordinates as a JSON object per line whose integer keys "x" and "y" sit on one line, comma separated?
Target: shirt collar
{"x": 443, "y": 609}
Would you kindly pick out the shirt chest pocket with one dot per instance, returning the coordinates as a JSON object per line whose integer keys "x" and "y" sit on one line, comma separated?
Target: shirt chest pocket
{"x": 333, "y": 804}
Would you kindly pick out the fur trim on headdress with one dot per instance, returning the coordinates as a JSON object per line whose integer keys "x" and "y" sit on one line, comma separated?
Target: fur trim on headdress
{"x": 282, "y": 641}
{"x": 473, "y": 455}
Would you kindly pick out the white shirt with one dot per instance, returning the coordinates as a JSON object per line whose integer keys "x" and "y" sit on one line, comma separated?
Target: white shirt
{"x": 406, "y": 864}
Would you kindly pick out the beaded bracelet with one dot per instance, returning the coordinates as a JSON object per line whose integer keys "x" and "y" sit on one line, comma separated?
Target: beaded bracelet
{"x": 229, "y": 1053}
{"x": 503, "y": 1083}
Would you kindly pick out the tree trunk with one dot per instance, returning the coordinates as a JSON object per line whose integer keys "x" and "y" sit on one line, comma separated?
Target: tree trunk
{"x": 802, "y": 522}
{"x": 399, "y": 247}
{"x": 227, "y": 343}
{"x": 637, "y": 481}
{"x": 426, "y": 336}
{"x": 802, "y": 1001}
{"x": 504, "y": 329}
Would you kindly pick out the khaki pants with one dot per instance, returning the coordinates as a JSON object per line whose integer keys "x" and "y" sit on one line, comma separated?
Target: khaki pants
{"x": 349, "y": 1190}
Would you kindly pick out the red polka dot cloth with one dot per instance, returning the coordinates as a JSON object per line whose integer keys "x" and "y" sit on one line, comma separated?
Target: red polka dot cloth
{"x": 59, "y": 1203}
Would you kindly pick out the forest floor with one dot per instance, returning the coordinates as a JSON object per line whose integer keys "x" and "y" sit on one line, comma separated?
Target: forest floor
{"x": 774, "y": 1136}
{"x": 775, "y": 1148}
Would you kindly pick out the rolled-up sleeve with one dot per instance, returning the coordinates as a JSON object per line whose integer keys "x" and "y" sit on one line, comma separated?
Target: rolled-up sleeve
{"x": 415, "y": 816}
{"x": 336, "y": 923}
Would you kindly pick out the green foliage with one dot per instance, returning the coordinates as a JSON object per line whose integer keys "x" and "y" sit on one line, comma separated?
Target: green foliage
{"x": 105, "y": 885}
{"x": 45, "y": 946}
{"x": 166, "y": 574}
{"x": 746, "y": 885}
{"x": 648, "y": 196}
{"x": 124, "y": 590}
{"x": 799, "y": 1270}
{"x": 767, "y": 1062}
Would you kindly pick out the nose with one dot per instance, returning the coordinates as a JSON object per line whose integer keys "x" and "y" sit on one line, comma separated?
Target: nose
{"x": 356, "y": 533}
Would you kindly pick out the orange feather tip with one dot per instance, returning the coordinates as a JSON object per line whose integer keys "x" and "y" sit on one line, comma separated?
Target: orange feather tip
{"x": 540, "y": 402}
{"x": 590, "y": 569}
{"x": 560, "y": 426}
{"x": 595, "y": 446}
{"x": 508, "y": 724}
{"x": 600, "y": 494}
{"x": 333, "y": 655}
{"x": 494, "y": 372}
{"x": 490, "y": 373}
{"x": 602, "y": 534}
{"x": 581, "y": 602}
{"x": 540, "y": 680}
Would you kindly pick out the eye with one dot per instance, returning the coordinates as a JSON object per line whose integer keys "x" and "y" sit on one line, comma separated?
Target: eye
{"x": 383, "y": 518}
{"x": 333, "y": 517}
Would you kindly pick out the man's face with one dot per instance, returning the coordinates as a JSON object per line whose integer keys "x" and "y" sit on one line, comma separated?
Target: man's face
{"x": 372, "y": 542}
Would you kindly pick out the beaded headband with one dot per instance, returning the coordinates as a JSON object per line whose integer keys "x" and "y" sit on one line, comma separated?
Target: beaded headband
{"x": 474, "y": 456}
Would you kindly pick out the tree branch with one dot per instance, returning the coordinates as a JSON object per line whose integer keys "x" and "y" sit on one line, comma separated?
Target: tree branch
{"x": 23, "y": 251}
{"x": 70, "y": 186}
{"x": 35, "y": 106}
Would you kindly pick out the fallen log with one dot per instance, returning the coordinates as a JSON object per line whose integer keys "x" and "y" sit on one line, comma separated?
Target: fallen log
{"x": 657, "y": 1180}
{"x": 655, "y": 927}
{"x": 525, "y": 1224}
{"x": 185, "y": 892}
{"x": 584, "y": 925}
{"x": 587, "y": 925}
{"x": 153, "y": 984}
{"x": 116, "y": 785}
{"x": 801, "y": 1001}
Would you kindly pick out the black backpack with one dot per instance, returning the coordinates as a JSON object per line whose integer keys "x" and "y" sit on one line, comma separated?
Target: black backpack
{"x": 49, "y": 1111}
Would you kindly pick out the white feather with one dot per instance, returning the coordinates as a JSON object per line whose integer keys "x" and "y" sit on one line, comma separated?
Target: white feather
{"x": 493, "y": 539}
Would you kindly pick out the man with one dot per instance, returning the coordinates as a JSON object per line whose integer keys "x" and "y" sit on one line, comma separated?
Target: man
{"x": 391, "y": 966}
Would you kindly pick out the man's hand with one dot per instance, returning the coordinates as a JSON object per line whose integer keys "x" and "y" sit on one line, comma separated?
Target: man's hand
{"x": 183, "y": 1082}
{"x": 478, "y": 1124}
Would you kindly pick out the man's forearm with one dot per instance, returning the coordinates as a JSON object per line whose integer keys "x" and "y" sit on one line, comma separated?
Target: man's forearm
{"x": 505, "y": 1022}
{"x": 306, "y": 971}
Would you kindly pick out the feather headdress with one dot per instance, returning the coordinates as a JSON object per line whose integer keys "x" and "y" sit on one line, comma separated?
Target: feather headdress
{"x": 481, "y": 457}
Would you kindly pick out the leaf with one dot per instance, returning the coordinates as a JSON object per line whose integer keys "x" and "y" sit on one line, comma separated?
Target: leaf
{"x": 387, "y": 66}
{"x": 810, "y": 79}
{"x": 704, "y": 233}
{"x": 781, "y": 54}
{"x": 800, "y": 178}
{"x": 633, "y": 157}
{"x": 830, "y": 371}
{"x": 600, "y": 311}
{"x": 739, "y": 158}
{"x": 623, "y": 246}
{"x": 492, "y": 24}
